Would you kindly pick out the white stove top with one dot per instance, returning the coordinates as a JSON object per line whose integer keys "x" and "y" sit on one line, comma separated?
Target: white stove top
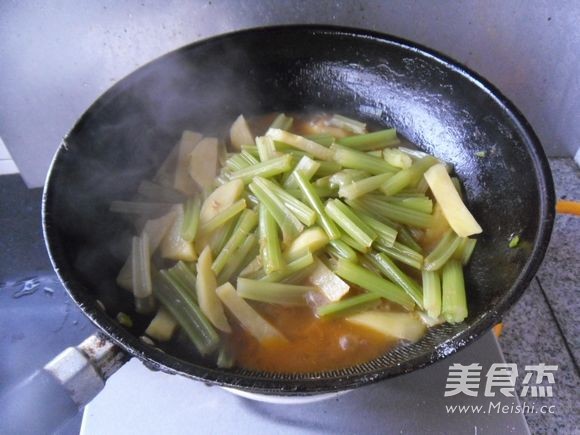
{"x": 139, "y": 401}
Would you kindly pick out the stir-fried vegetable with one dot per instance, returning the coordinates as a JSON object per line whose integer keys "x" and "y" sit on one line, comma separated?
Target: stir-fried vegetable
{"x": 337, "y": 221}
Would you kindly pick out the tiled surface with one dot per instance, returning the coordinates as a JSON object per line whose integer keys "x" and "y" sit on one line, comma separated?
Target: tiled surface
{"x": 560, "y": 272}
{"x": 543, "y": 326}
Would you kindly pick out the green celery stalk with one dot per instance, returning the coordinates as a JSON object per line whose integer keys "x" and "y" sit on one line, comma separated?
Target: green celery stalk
{"x": 224, "y": 216}
{"x": 288, "y": 223}
{"x": 432, "y": 293}
{"x": 272, "y": 258}
{"x": 403, "y": 254}
{"x": 364, "y": 186}
{"x": 391, "y": 271}
{"x": 245, "y": 225}
{"x": 454, "y": 304}
{"x": 272, "y": 292}
{"x": 371, "y": 141}
{"x": 314, "y": 200}
{"x": 358, "y": 160}
{"x": 373, "y": 283}
{"x": 240, "y": 258}
{"x": 190, "y": 218}
{"x": 347, "y": 306}
{"x": 350, "y": 223}
{"x": 442, "y": 252}
{"x": 269, "y": 168}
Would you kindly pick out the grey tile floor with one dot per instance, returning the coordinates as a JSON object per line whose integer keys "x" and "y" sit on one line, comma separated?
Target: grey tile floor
{"x": 543, "y": 326}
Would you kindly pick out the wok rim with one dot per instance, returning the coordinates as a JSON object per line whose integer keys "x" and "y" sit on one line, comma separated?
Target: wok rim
{"x": 157, "y": 360}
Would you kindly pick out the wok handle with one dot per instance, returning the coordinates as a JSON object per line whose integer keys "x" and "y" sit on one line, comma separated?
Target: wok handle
{"x": 54, "y": 394}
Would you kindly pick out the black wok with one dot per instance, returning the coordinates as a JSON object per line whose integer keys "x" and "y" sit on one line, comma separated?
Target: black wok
{"x": 435, "y": 102}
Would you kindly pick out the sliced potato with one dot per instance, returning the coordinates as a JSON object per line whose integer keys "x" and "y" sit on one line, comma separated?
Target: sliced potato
{"x": 240, "y": 133}
{"x": 187, "y": 143}
{"x": 162, "y": 326}
{"x": 459, "y": 217}
{"x": 246, "y": 315}
{"x": 203, "y": 162}
{"x": 220, "y": 199}
{"x": 206, "y": 285}
{"x": 310, "y": 240}
{"x": 329, "y": 283}
{"x": 175, "y": 247}
{"x": 404, "y": 326}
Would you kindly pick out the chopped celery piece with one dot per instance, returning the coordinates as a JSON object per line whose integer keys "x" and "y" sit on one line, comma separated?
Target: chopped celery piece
{"x": 307, "y": 167}
{"x": 364, "y": 186}
{"x": 325, "y": 139}
{"x": 424, "y": 204}
{"x": 236, "y": 162}
{"x": 273, "y": 293}
{"x": 124, "y": 319}
{"x": 328, "y": 168}
{"x": 224, "y": 216}
{"x": 288, "y": 223}
{"x": 188, "y": 315}
{"x": 340, "y": 249}
{"x": 397, "y": 158}
{"x": 246, "y": 223}
{"x": 190, "y": 223}
{"x": 358, "y": 160}
{"x": 266, "y": 148}
{"x": 249, "y": 318}
{"x": 272, "y": 259}
{"x": 394, "y": 212}
{"x": 442, "y": 252}
{"x": 350, "y": 223}
{"x": 203, "y": 162}
{"x": 514, "y": 241}
{"x": 373, "y": 283}
{"x": 291, "y": 268}
{"x": 403, "y": 254}
{"x": 407, "y": 177}
{"x": 468, "y": 247}
{"x": 301, "y": 143}
{"x": 311, "y": 240}
{"x": 302, "y": 212}
{"x": 371, "y": 141}
{"x": 269, "y": 168}
{"x": 454, "y": 304}
{"x": 206, "y": 285}
{"x": 391, "y": 271}
{"x": 225, "y": 359}
{"x": 431, "y": 292}
{"x": 282, "y": 122}
{"x": 402, "y": 326}
{"x": 156, "y": 229}
{"x": 314, "y": 200}
{"x": 183, "y": 276}
{"x": 328, "y": 282}
{"x": 162, "y": 326}
{"x": 348, "y": 124}
{"x": 347, "y": 306}
{"x": 386, "y": 235}
{"x": 354, "y": 243}
{"x": 455, "y": 211}
{"x": 239, "y": 259}
{"x": 346, "y": 177}
{"x": 240, "y": 133}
